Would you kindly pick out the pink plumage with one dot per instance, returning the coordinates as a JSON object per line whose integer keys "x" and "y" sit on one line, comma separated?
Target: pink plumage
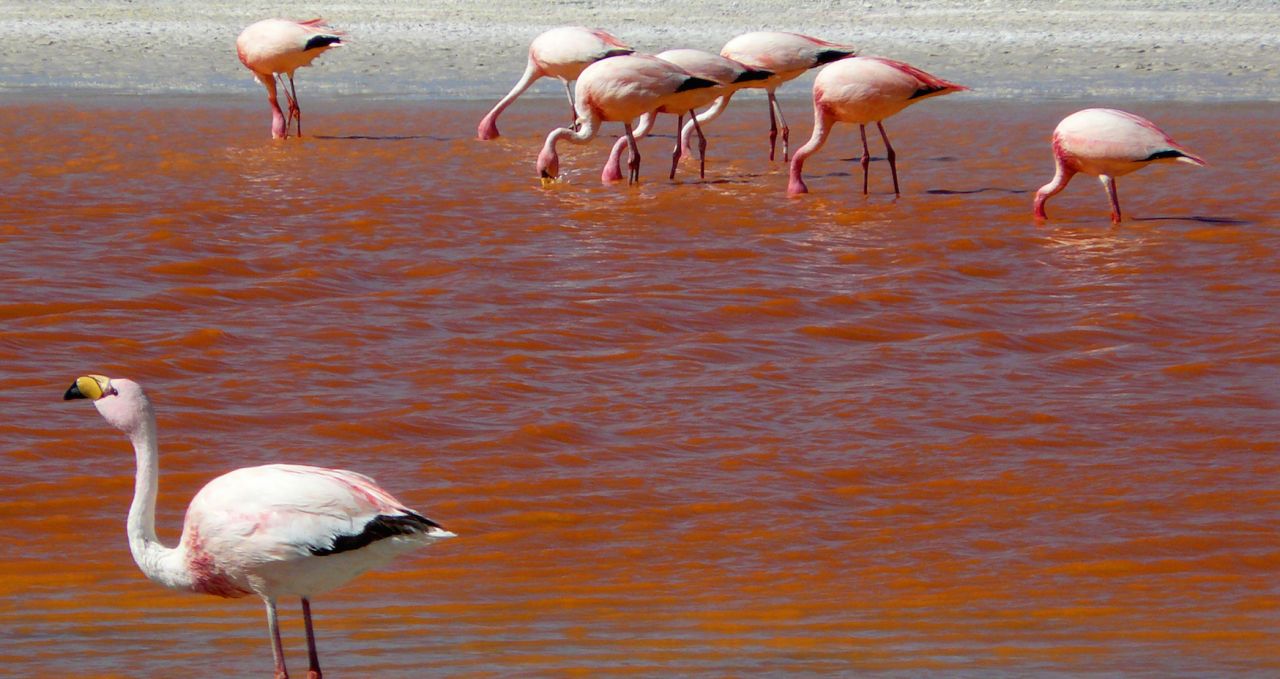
{"x": 274, "y": 47}
{"x": 275, "y": 530}
{"x": 864, "y": 90}
{"x": 558, "y": 53}
{"x": 787, "y": 56}
{"x": 620, "y": 89}
{"x": 1107, "y": 143}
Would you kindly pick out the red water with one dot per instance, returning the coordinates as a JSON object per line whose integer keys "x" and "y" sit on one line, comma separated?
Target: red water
{"x": 691, "y": 428}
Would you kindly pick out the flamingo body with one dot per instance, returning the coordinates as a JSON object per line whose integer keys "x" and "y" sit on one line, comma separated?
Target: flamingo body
{"x": 561, "y": 53}
{"x": 1107, "y": 143}
{"x": 864, "y": 90}
{"x": 729, "y": 76}
{"x": 274, "y": 47}
{"x": 274, "y": 530}
{"x": 786, "y": 55}
{"x": 619, "y": 89}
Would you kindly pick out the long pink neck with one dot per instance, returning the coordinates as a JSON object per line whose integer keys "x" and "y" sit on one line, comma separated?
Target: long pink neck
{"x": 488, "y": 128}
{"x": 821, "y": 129}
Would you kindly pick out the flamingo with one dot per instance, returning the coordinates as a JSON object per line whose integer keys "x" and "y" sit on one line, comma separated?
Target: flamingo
{"x": 276, "y": 530}
{"x": 558, "y": 53}
{"x": 729, "y": 76}
{"x": 863, "y": 90}
{"x": 280, "y": 46}
{"x": 787, "y": 55}
{"x": 619, "y": 90}
{"x": 1107, "y": 143}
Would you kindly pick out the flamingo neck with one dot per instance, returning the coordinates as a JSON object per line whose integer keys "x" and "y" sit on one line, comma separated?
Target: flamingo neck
{"x": 488, "y": 128}
{"x": 163, "y": 565}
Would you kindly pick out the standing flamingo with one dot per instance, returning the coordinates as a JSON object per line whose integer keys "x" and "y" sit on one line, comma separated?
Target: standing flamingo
{"x": 1107, "y": 143}
{"x": 620, "y": 90}
{"x": 729, "y": 76}
{"x": 863, "y": 90}
{"x": 558, "y": 53}
{"x": 274, "y": 46}
{"x": 276, "y": 530}
{"x": 787, "y": 55}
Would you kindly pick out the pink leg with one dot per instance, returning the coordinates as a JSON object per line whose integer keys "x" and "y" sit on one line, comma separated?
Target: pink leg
{"x": 296, "y": 110}
{"x": 1110, "y": 185}
{"x": 573, "y": 110}
{"x": 773, "y": 128}
{"x": 277, "y": 648}
{"x": 312, "y": 657}
{"x": 786, "y": 130}
{"x": 675, "y": 154}
{"x": 293, "y": 106}
{"x": 893, "y": 157}
{"x": 702, "y": 149}
{"x": 866, "y": 158}
{"x": 634, "y": 162}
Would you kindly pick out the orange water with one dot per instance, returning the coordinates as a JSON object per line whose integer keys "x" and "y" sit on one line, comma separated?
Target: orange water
{"x": 691, "y": 428}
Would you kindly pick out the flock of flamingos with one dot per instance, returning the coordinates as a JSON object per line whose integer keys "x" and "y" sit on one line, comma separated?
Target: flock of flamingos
{"x": 292, "y": 530}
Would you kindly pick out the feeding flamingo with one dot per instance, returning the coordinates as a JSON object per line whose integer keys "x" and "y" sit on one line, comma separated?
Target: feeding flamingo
{"x": 863, "y": 90}
{"x": 558, "y": 53}
{"x": 276, "y": 530}
{"x": 279, "y": 46}
{"x": 787, "y": 55}
{"x": 729, "y": 76}
{"x": 1107, "y": 143}
{"x": 619, "y": 90}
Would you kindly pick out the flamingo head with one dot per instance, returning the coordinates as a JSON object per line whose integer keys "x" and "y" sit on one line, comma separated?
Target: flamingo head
{"x": 548, "y": 165}
{"x": 121, "y": 402}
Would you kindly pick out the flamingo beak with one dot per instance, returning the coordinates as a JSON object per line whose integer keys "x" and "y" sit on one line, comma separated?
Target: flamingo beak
{"x": 92, "y": 387}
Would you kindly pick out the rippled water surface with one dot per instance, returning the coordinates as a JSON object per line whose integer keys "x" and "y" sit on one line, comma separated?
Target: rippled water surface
{"x": 689, "y": 428}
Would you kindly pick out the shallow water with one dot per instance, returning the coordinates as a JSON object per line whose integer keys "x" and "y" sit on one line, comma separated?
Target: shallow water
{"x": 681, "y": 428}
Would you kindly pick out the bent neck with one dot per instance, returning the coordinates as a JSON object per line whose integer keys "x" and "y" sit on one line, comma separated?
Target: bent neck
{"x": 160, "y": 564}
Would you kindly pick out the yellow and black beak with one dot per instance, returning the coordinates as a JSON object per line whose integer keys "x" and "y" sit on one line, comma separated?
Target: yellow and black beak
{"x": 92, "y": 387}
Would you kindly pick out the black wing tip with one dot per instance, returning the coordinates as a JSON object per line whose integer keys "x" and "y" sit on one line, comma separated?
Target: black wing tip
{"x": 318, "y": 41}
{"x": 753, "y": 75}
{"x": 828, "y": 56}
{"x": 1167, "y": 153}
{"x": 696, "y": 83}
{"x": 379, "y": 528}
{"x": 619, "y": 52}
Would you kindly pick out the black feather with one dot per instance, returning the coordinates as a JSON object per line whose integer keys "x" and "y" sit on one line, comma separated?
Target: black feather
{"x": 828, "y": 56}
{"x": 1168, "y": 153}
{"x": 322, "y": 41}
{"x": 379, "y": 528}
{"x": 696, "y": 83}
{"x": 752, "y": 75}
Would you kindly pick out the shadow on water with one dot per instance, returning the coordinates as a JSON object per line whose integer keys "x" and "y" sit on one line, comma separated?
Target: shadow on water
{"x": 1196, "y": 218}
{"x": 390, "y": 137}
{"x": 957, "y": 192}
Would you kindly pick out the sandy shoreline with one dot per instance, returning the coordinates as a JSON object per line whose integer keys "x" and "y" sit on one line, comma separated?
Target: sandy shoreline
{"x": 1226, "y": 50}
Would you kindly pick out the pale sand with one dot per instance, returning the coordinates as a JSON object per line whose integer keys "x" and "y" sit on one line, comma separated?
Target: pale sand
{"x": 475, "y": 49}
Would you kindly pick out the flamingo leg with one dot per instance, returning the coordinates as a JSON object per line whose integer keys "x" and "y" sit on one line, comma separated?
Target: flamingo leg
{"x": 293, "y": 106}
{"x": 786, "y": 131}
{"x": 773, "y": 127}
{"x": 634, "y": 161}
{"x": 277, "y": 648}
{"x": 866, "y": 158}
{"x": 893, "y": 157}
{"x": 702, "y": 149}
{"x": 296, "y": 110}
{"x": 313, "y": 672}
{"x": 573, "y": 110}
{"x": 675, "y": 153}
{"x": 1110, "y": 185}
